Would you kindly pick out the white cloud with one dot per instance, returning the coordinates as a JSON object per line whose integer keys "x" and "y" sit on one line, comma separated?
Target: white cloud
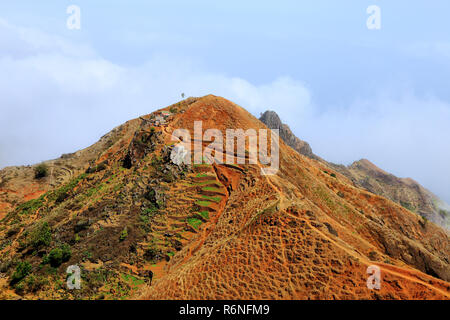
{"x": 406, "y": 135}
{"x": 22, "y": 42}
{"x": 57, "y": 96}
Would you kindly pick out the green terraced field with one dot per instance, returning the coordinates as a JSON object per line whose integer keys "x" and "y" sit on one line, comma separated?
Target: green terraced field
{"x": 215, "y": 199}
{"x": 194, "y": 222}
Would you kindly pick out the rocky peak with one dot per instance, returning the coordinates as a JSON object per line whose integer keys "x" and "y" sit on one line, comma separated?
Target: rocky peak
{"x": 273, "y": 121}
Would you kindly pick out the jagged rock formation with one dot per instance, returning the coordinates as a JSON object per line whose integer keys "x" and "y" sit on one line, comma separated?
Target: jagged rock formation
{"x": 273, "y": 121}
{"x": 141, "y": 226}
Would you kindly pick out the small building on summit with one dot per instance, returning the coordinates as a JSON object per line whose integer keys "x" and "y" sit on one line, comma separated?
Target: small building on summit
{"x": 165, "y": 114}
{"x": 161, "y": 118}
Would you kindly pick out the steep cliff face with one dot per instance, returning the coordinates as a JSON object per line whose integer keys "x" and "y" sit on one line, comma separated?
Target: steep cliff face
{"x": 364, "y": 174}
{"x": 273, "y": 121}
{"x": 404, "y": 191}
{"x": 140, "y": 225}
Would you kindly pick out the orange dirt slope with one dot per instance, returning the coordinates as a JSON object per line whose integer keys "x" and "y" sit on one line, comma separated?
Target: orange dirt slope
{"x": 302, "y": 234}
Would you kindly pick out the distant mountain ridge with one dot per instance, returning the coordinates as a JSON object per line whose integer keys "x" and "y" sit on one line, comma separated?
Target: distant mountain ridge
{"x": 364, "y": 174}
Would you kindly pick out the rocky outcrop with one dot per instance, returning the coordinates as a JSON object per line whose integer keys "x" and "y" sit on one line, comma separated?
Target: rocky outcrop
{"x": 273, "y": 121}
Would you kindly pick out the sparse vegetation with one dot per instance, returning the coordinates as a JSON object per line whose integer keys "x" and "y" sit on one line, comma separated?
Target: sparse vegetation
{"x": 194, "y": 222}
{"x": 407, "y": 206}
{"x": 201, "y": 175}
{"x": 31, "y": 206}
{"x": 152, "y": 254}
{"x": 373, "y": 255}
{"x": 267, "y": 211}
{"x": 22, "y": 270}
{"x": 151, "y": 211}
{"x": 97, "y": 168}
{"x": 215, "y": 199}
{"x": 206, "y": 183}
{"x": 41, "y": 235}
{"x": 58, "y": 255}
{"x": 123, "y": 234}
{"x": 204, "y": 214}
{"x": 203, "y": 203}
{"x": 41, "y": 171}
{"x": 63, "y": 193}
{"x": 135, "y": 282}
{"x": 444, "y": 213}
{"x": 126, "y": 163}
{"x": 34, "y": 283}
{"x": 211, "y": 189}
{"x": 423, "y": 221}
{"x": 173, "y": 110}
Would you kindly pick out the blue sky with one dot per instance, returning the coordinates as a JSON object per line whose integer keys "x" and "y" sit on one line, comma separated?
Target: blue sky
{"x": 351, "y": 92}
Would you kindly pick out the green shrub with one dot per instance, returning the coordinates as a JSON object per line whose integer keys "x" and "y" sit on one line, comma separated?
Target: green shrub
{"x": 41, "y": 235}
{"x": 34, "y": 283}
{"x": 22, "y": 270}
{"x": 61, "y": 197}
{"x": 64, "y": 192}
{"x": 58, "y": 255}
{"x": 123, "y": 234}
{"x": 102, "y": 166}
{"x": 444, "y": 213}
{"x": 423, "y": 222}
{"x": 41, "y": 171}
